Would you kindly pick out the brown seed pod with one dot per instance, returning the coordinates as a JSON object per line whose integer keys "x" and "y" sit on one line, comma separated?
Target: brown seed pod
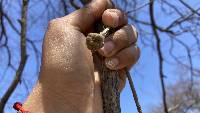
{"x": 94, "y": 41}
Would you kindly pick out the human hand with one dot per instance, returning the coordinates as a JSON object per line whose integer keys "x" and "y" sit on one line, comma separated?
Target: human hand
{"x": 120, "y": 47}
{"x": 68, "y": 81}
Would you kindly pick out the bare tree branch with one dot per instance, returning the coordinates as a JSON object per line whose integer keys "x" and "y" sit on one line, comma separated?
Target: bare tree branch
{"x": 22, "y": 60}
{"x": 64, "y": 6}
{"x": 160, "y": 56}
{"x": 74, "y": 4}
{"x": 188, "y": 6}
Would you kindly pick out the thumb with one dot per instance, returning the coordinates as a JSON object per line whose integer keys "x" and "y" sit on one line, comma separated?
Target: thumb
{"x": 84, "y": 18}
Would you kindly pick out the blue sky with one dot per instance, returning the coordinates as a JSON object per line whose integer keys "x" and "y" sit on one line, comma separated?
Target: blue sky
{"x": 144, "y": 73}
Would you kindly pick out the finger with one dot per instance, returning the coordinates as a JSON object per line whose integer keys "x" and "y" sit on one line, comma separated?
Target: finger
{"x": 114, "y": 18}
{"x": 120, "y": 39}
{"x": 126, "y": 57}
{"x": 85, "y": 17}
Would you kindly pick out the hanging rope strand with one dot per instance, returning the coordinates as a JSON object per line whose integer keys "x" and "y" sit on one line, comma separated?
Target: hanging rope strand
{"x": 139, "y": 109}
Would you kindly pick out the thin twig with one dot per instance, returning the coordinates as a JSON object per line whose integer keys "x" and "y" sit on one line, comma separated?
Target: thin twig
{"x": 139, "y": 109}
{"x": 74, "y": 4}
{"x": 138, "y": 8}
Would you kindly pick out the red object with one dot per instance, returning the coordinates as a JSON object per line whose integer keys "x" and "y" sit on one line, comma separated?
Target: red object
{"x": 18, "y": 106}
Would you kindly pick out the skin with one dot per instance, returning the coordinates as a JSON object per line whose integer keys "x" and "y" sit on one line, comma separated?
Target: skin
{"x": 69, "y": 81}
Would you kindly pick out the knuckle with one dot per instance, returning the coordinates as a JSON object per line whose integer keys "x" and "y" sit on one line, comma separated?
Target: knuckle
{"x": 133, "y": 50}
{"x": 128, "y": 56}
{"x": 134, "y": 53}
{"x": 117, "y": 16}
{"x": 131, "y": 53}
{"x": 126, "y": 36}
{"x": 120, "y": 37}
{"x": 55, "y": 23}
{"x": 131, "y": 33}
{"x": 120, "y": 13}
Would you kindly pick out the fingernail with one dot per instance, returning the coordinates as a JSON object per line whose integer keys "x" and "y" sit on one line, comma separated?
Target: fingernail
{"x": 115, "y": 18}
{"x": 112, "y": 63}
{"x": 108, "y": 47}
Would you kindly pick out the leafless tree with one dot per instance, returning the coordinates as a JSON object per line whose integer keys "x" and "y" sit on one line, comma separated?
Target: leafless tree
{"x": 165, "y": 29}
{"x": 181, "y": 99}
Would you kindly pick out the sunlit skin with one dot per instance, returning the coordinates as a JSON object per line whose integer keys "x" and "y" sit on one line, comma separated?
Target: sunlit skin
{"x": 68, "y": 81}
